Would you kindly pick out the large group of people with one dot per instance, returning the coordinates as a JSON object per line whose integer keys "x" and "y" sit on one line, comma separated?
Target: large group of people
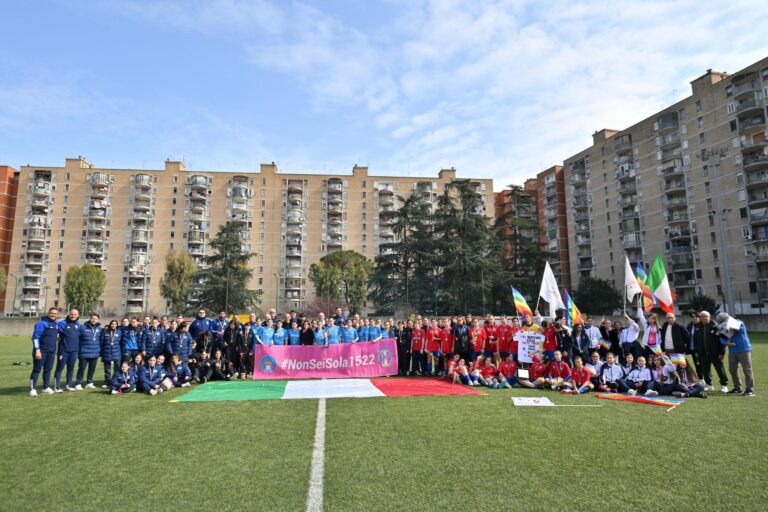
{"x": 153, "y": 355}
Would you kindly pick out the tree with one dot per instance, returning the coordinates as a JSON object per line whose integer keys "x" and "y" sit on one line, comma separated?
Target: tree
{"x": 83, "y": 287}
{"x": 176, "y": 284}
{"x": 469, "y": 262}
{"x": 342, "y": 275}
{"x": 597, "y": 296}
{"x": 702, "y": 302}
{"x": 3, "y": 280}
{"x": 223, "y": 283}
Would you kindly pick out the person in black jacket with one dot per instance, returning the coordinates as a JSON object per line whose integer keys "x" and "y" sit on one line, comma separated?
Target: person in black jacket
{"x": 711, "y": 352}
{"x": 693, "y": 327}
{"x": 306, "y": 337}
{"x": 674, "y": 341}
{"x": 403, "y": 337}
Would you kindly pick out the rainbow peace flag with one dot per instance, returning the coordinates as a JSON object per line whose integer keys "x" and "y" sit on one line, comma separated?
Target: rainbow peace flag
{"x": 656, "y": 349}
{"x": 605, "y": 343}
{"x": 647, "y": 296}
{"x": 520, "y": 304}
{"x": 572, "y": 313}
{"x": 677, "y": 358}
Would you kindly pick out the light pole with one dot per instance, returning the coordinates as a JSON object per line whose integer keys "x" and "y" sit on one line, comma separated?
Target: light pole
{"x": 15, "y": 292}
{"x": 715, "y": 156}
{"x": 277, "y": 292}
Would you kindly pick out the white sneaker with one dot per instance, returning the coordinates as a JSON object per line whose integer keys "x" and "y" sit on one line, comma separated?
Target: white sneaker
{"x": 708, "y": 387}
{"x": 70, "y": 388}
{"x": 48, "y": 391}
{"x": 632, "y": 392}
{"x": 33, "y": 392}
{"x": 90, "y": 386}
{"x": 104, "y": 386}
{"x": 723, "y": 389}
{"x": 58, "y": 390}
{"x": 185, "y": 385}
{"x": 78, "y": 388}
{"x": 115, "y": 392}
{"x": 651, "y": 392}
{"x": 152, "y": 392}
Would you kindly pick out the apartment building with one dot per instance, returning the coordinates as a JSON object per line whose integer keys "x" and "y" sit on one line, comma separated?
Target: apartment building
{"x": 552, "y": 218}
{"x": 513, "y": 205}
{"x": 126, "y": 221}
{"x": 690, "y": 183}
{"x": 9, "y": 182}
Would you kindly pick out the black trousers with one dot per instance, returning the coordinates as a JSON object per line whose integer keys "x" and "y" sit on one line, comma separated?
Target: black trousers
{"x": 403, "y": 360}
{"x": 706, "y": 369}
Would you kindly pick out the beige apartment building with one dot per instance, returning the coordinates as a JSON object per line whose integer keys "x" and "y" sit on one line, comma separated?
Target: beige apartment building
{"x": 690, "y": 183}
{"x": 125, "y": 221}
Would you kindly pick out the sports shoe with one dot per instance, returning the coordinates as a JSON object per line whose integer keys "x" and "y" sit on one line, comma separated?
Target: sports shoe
{"x": 70, "y": 388}
{"x": 152, "y": 392}
{"x": 748, "y": 392}
{"x": 90, "y": 386}
{"x": 185, "y": 385}
{"x": 33, "y": 392}
{"x": 632, "y": 392}
{"x": 703, "y": 394}
{"x": 58, "y": 390}
{"x": 679, "y": 394}
{"x": 723, "y": 389}
{"x": 48, "y": 391}
{"x": 78, "y": 388}
{"x": 115, "y": 392}
{"x": 104, "y": 386}
{"x": 734, "y": 391}
{"x": 651, "y": 392}
{"x": 709, "y": 387}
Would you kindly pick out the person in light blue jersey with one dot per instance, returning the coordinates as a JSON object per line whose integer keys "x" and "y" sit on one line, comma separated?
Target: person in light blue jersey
{"x": 348, "y": 333}
{"x": 280, "y": 336}
{"x": 333, "y": 332}
{"x": 294, "y": 334}
{"x": 319, "y": 335}
{"x": 267, "y": 333}
{"x": 362, "y": 332}
{"x": 374, "y": 331}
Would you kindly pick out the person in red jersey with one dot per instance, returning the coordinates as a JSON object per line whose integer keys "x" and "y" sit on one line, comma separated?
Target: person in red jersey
{"x": 476, "y": 371}
{"x": 452, "y": 369}
{"x": 508, "y": 372}
{"x": 477, "y": 336}
{"x": 559, "y": 373}
{"x": 491, "y": 338}
{"x": 581, "y": 378}
{"x": 504, "y": 335}
{"x": 550, "y": 339}
{"x": 537, "y": 373}
{"x": 488, "y": 372}
{"x": 418, "y": 352}
{"x": 434, "y": 344}
{"x": 447, "y": 343}
{"x": 514, "y": 329}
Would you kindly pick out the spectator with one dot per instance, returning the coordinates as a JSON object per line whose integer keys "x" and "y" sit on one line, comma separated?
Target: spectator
{"x": 734, "y": 334}
{"x": 111, "y": 355}
{"x": 69, "y": 348}
{"x": 711, "y": 353}
{"x": 44, "y": 340}
{"x": 90, "y": 347}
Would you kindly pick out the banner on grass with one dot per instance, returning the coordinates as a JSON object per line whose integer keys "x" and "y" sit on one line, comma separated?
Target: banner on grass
{"x": 331, "y": 362}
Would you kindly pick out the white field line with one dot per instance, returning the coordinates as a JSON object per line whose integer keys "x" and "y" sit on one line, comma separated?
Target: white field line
{"x": 315, "y": 493}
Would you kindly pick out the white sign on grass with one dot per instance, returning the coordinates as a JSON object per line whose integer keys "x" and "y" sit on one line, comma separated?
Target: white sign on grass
{"x": 532, "y": 402}
{"x": 527, "y": 342}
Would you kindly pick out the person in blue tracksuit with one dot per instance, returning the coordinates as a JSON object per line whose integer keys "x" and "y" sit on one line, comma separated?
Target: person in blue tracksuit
{"x": 69, "y": 348}
{"x": 90, "y": 347}
{"x": 217, "y": 328}
{"x": 124, "y": 380}
{"x": 44, "y": 339}
{"x": 111, "y": 354}
{"x": 179, "y": 372}
{"x": 199, "y": 325}
{"x": 152, "y": 340}
{"x": 169, "y": 331}
{"x": 151, "y": 377}
{"x": 130, "y": 338}
{"x": 294, "y": 334}
{"x": 180, "y": 342}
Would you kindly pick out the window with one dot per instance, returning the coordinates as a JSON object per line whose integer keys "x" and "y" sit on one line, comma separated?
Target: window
{"x": 66, "y": 187}
{"x": 752, "y": 287}
{"x": 700, "y": 122}
{"x": 261, "y": 280}
{"x": 365, "y": 248}
{"x": 610, "y": 243}
{"x": 173, "y": 201}
{"x": 714, "y": 254}
{"x": 364, "y": 194}
{"x": 364, "y": 214}
{"x": 62, "y": 232}
{"x": 698, "y": 273}
{"x": 705, "y": 170}
{"x": 68, "y": 176}
{"x": 610, "y": 255}
{"x": 698, "y": 105}
{"x": 743, "y": 213}
{"x": 712, "y": 237}
{"x": 701, "y": 138}
{"x": 707, "y": 187}
{"x": 173, "y": 212}
{"x": 364, "y": 205}
{"x": 61, "y": 245}
{"x": 711, "y": 220}
{"x": 608, "y": 215}
{"x": 263, "y": 181}
{"x": 173, "y": 223}
{"x": 609, "y": 229}
{"x": 719, "y": 290}
{"x": 717, "y": 272}
{"x": 739, "y": 178}
{"x": 709, "y": 203}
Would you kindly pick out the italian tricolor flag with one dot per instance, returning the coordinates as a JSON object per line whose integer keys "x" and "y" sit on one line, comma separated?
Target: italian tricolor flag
{"x": 659, "y": 285}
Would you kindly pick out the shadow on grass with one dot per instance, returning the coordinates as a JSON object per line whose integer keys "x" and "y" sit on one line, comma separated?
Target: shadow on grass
{"x": 18, "y": 390}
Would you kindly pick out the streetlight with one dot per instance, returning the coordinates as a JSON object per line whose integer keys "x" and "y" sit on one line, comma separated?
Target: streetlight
{"x": 15, "y": 292}
{"x": 277, "y": 292}
{"x": 716, "y": 156}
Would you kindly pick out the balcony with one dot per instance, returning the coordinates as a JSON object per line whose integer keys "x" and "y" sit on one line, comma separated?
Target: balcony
{"x": 293, "y": 282}
{"x": 750, "y": 84}
{"x": 386, "y": 220}
{"x": 672, "y": 168}
{"x": 755, "y": 161}
{"x": 755, "y": 103}
{"x": 34, "y": 261}
{"x": 669, "y": 141}
{"x": 198, "y": 182}
{"x": 96, "y": 226}
{"x": 550, "y": 190}
{"x": 582, "y": 240}
{"x": 138, "y": 260}
{"x": 579, "y": 203}
{"x": 671, "y": 154}
{"x": 294, "y": 229}
{"x": 139, "y": 237}
{"x": 667, "y": 123}
{"x": 627, "y": 201}
{"x": 762, "y": 288}
{"x": 40, "y": 206}
{"x": 36, "y": 234}
{"x": 626, "y": 172}
{"x": 757, "y": 179}
{"x": 240, "y": 192}
{"x": 622, "y": 143}
{"x": 42, "y": 189}
{"x": 585, "y": 264}
{"x": 295, "y": 186}
{"x": 761, "y": 257}
{"x": 582, "y": 228}
{"x": 628, "y": 188}
{"x": 196, "y": 236}
{"x": 293, "y": 241}
{"x": 682, "y": 263}
{"x": 196, "y": 250}
{"x": 197, "y": 205}
{"x": 630, "y": 226}
{"x": 386, "y": 200}
{"x": 94, "y": 260}
{"x": 759, "y": 198}
{"x": 631, "y": 241}
{"x": 675, "y": 234}
{"x": 141, "y": 206}
{"x": 751, "y": 125}
{"x": 675, "y": 202}
{"x": 239, "y": 218}
{"x": 334, "y": 184}
{"x": 754, "y": 143}
{"x": 759, "y": 216}
{"x": 94, "y": 249}
{"x": 629, "y": 214}
{"x": 35, "y": 248}
{"x": 295, "y": 197}
{"x": 334, "y": 220}
{"x": 678, "y": 217}
{"x": 674, "y": 186}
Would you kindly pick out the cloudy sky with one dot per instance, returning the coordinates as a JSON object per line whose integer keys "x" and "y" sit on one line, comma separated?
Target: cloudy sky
{"x": 497, "y": 89}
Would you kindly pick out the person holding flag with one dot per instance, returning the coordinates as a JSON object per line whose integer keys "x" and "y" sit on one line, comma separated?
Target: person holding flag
{"x": 520, "y": 304}
{"x": 659, "y": 284}
{"x": 651, "y": 333}
{"x": 550, "y": 292}
{"x": 572, "y": 313}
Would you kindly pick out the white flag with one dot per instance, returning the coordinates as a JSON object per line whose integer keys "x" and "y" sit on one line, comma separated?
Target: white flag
{"x": 550, "y": 292}
{"x": 630, "y": 281}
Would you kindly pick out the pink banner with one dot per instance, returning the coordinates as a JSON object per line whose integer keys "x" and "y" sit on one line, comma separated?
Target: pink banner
{"x": 331, "y": 362}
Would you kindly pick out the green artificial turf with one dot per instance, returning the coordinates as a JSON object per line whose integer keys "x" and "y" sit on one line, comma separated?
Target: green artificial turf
{"x": 92, "y": 451}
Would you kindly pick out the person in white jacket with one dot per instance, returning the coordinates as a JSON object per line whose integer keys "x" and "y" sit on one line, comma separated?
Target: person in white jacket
{"x": 639, "y": 380}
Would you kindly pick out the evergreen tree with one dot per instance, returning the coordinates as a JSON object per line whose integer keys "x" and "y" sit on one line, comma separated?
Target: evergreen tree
{"x": 176, "y": 284}
{"x": 223, "y": 284}
{"x": 83, "y": 287}
{"x": 343, "y": 276}
{"x": 597, "y": 297}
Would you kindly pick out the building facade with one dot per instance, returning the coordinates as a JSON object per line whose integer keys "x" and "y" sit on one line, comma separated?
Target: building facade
{"x": 9, "y": 183}
{"x": 552, "y": 218}
{"x": 126, "y": 221}
{"x": 689, "y": 183}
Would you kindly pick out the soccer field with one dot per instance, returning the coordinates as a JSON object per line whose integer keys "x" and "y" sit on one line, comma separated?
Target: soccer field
{"x": 93, "y": 451}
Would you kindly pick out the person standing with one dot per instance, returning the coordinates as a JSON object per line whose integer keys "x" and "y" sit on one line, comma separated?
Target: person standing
{"x": 152, "y": 340}
{"x": 404, "y": 347}
{"x": 711, "y": 353}
{"x": 734, "y": 334}
{"x": 69, "y": 348}
{"x": 693, "y": 327}
{"x": 199, "y": 325}
{"x": 90, "y": 347}
{"x": 675, "y": 337}
{"x": 44, "y": 339}
{"x": 111, "y": 354}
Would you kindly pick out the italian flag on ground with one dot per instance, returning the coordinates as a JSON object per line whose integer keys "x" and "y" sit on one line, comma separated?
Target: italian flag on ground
{"x": 331, "y": 388}
{"x": 659, "y": 285}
